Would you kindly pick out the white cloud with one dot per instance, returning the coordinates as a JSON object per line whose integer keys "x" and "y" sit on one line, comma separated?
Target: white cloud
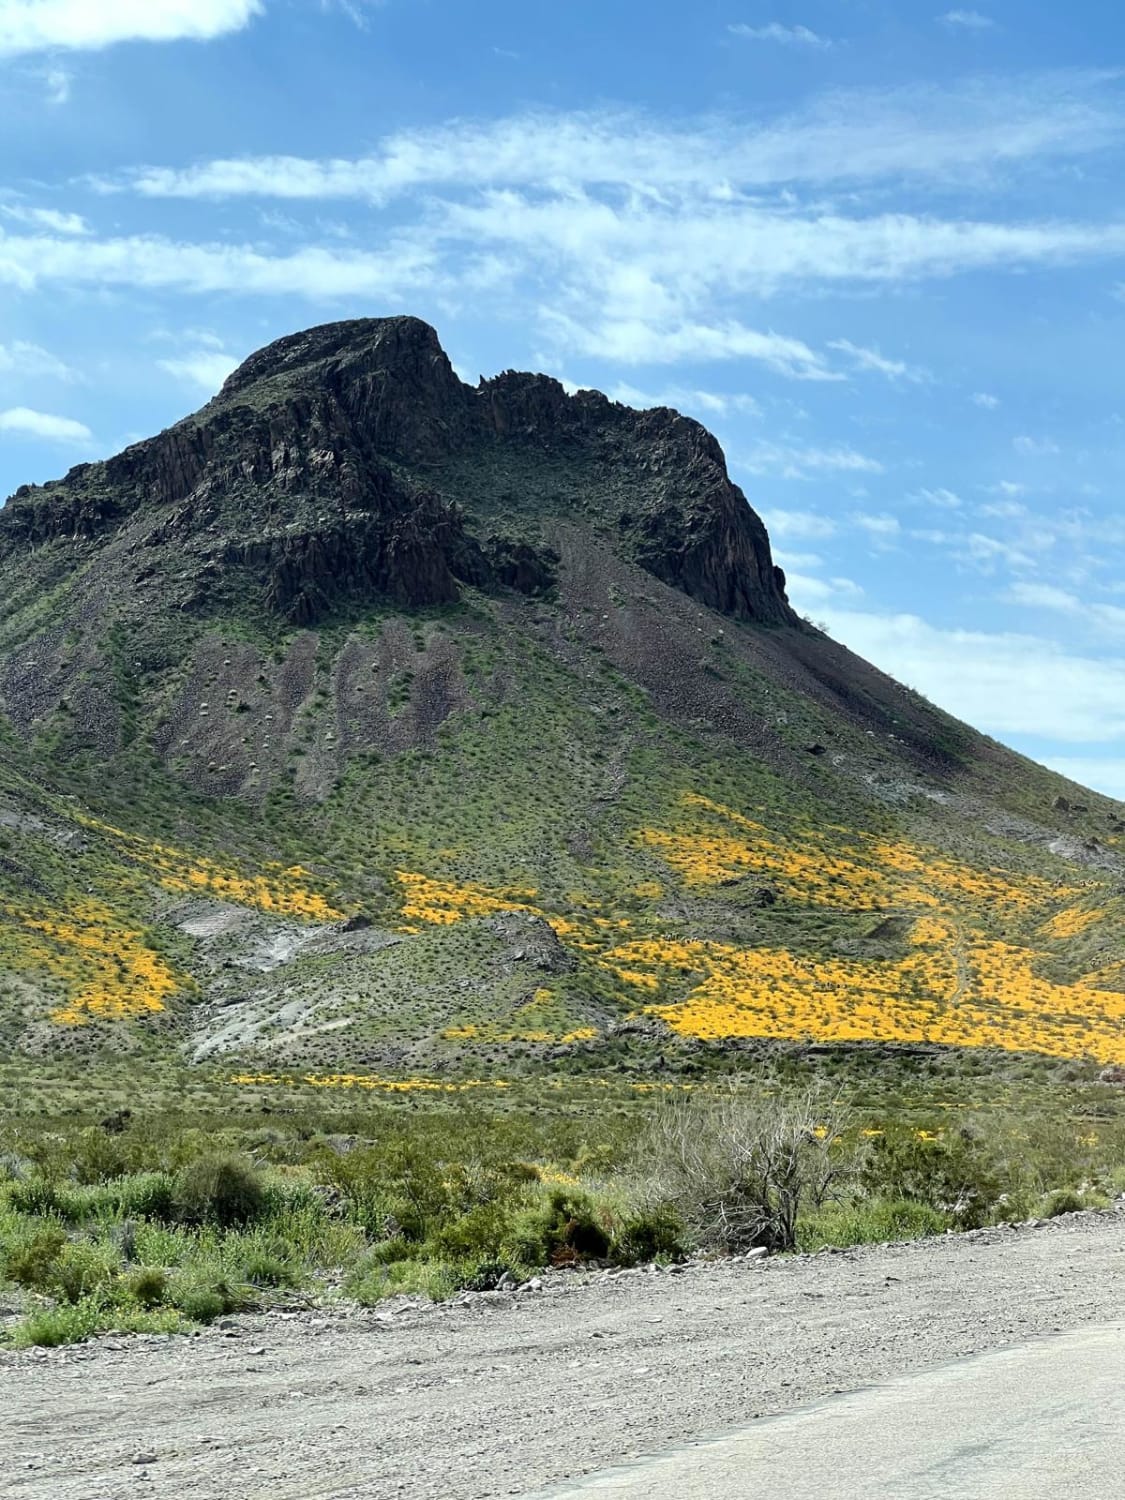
{"x": 152, "y": 262}
{"x": 871, "y": 359}
{"x": 635, "y": 341}
{"x": 939, "y": 498}
{"x": 788, "y": 36}
{"x": 38, "y": 25}
{"x": 967, "y": 20}
{"x": 794, "y": 462}
{"x": 1043, "y": 596}
{"x": 52, "y": 219}
{"x": 690, "y": 250}
{"x": 1100, "y": 619}
{"x": 986, "y": 401}
{"x": 205, "y": 368}
{"x": 1033, "y": 447}
{"x": 706, "y": 403}
{"x": 21, "y": 421}
{"x": 1003, "y": 683}
{"x": 960, "y": 131}
{"x": 880, "y": 528}
{"x": 58, "y": 82}
{"x": 28, "y": 361}
{"x": 808, "y": 593}
{"x": 798, "y": 525}
{"x": 797, "y": 560}
{"x": 1102, "y": 774}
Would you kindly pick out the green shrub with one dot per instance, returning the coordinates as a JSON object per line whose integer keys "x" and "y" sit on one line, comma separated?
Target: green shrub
{"x": 260, "y": 1267}
{"x": 69, "y": 1323}
{"x": 222, "y": 1190}
{"x": 147, "y": 1286}
{"x": 869, "y": 1221}
{"x": 146, "y": 1195}
{"x": 1065, "y": 1201}
{"x": 204, "y": 1296}
{"x": 373, "y": 1283}
{"x": 81, "y": 1270}
{"x": 563, "y": 1229}
{"x": 646, "y": 1235}
{"x": 30, "y": 1262}
{"x": 483, "y": 1275}
{"x": 954, "y": 1173}
{"x": 35, "y": 1197}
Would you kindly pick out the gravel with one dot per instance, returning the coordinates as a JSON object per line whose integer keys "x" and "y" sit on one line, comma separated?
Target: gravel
{"x": 502, "y": 1393}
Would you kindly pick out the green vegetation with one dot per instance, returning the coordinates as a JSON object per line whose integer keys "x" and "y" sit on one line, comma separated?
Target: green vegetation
{"x": 167, "y": 1215}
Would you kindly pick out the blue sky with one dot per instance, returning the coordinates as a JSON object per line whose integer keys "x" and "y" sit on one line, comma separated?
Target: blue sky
{"x": 877, "y": 245}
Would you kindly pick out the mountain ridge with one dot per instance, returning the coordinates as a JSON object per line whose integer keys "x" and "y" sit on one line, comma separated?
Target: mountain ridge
{"x": 368, "y": 717}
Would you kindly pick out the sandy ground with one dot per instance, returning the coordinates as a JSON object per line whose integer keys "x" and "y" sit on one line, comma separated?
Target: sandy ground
{"x": 509, "y": 1393}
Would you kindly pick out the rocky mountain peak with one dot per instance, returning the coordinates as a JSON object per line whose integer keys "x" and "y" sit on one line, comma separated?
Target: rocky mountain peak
{"x": 349, "y": 462}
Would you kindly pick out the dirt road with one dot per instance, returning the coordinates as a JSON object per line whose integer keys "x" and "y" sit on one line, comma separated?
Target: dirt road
{"x": 1043, "y": 1418}
{"x": 507, "y": 1394}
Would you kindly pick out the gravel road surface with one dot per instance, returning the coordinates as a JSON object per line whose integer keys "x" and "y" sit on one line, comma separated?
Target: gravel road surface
{"x": 1045, "y": 1418}
{"x": 510, "y": 1393}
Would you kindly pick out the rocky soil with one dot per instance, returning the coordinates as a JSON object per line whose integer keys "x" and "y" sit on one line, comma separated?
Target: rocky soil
{"x": 502, "y": 1393}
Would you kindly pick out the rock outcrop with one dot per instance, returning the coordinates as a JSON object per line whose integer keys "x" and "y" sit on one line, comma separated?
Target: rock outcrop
{"x": 349, "y": 463}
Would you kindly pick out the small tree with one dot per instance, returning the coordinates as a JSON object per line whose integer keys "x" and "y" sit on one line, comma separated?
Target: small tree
{"x": 737, "y": 1168}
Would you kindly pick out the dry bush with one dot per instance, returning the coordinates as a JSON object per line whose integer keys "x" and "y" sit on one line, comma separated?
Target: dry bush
{"x": 737, "y": 1167}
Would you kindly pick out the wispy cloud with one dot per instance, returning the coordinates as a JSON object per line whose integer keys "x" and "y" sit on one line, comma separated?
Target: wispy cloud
{"x": 872, "y": 360}
{"x": 635, "y": 341}
{"x": 38, "y": 25}
{"x": 21, "y": 421}
{"x": 985, "y": 400}
{"x": 785, "y": 461}
{"x": 204, "y": 369}
{"x": 58, "y": 83}
{"x": 1004, "y": 683}
{"x": 882, "y": 529}
{"x": 964, "y": 130}
{"x": 29, "y": 361}
{"x": 52, "y": 219}
{"x": 680, "y": 398}
{"x": 153, "y": 262}
{"x": 967, "y": 20}
{"x": 1035, "y": 447}
{"x": 798, "y": 525}
{"x": 788, "y": 36}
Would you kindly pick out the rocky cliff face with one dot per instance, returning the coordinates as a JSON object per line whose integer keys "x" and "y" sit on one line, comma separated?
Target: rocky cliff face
{"x": 349, "y": 463}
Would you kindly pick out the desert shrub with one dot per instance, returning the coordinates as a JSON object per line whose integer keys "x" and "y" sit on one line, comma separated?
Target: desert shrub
{"x": 561, "y": 1229}
{"x": 956, "y": 1173}
{"x": 479, "y": 1233}
{"x": 81, "y": 1270}
{"x": 68, "y": 1323}
{"x": 147, "y": 1286}
{"x": 646, "y": 1234}
{"x": 265, "y": 1268}
{"x": 222, "y": 1190}
{"x": 146, "y": 1195}
{"x": 204, "y": 1294}
{"x": 372, "y": 1283}
{"x": 736, "y": 1169}
{"x": 36, "y": 1196}
{"x": 30, "y": 1260}
{"x": 869, "y": 1221}
{"x": 1065, "y": 1201}
{"x": 483, "y": 1275}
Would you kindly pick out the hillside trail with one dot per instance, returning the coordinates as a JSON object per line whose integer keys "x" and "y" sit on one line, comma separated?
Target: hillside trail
{"x": 508, "y": 1393}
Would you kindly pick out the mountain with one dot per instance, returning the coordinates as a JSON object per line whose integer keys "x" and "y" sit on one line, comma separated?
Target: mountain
{"x": 366, "y": 719}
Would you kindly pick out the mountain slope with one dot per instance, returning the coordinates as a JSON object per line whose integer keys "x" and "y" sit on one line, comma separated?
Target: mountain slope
{"x": 366, "y": 718}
